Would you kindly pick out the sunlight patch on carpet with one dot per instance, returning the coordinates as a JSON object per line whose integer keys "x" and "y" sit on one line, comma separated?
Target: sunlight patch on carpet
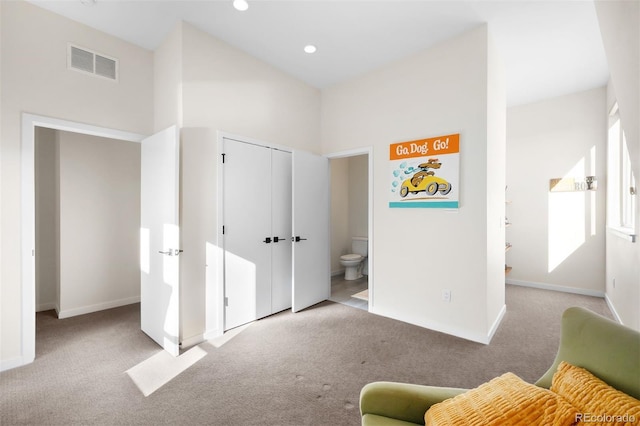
{"x": 363, "y": 295}
{"x": 221, "y": 340}
{"x": 155, "y": 372}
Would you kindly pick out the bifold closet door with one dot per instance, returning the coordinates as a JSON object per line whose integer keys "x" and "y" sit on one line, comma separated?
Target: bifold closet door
{"x": 247, "y": 225}
{"x": 281, "y": 228}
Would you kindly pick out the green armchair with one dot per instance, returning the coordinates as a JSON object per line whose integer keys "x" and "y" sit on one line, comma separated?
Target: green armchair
{"x": 607, "y": 349}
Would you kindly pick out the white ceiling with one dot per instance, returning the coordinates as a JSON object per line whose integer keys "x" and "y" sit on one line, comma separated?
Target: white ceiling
{"x": 549, "y": 48}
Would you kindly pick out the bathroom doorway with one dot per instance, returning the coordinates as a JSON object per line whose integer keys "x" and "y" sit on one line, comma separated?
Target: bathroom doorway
{"x": 351, "y": 227}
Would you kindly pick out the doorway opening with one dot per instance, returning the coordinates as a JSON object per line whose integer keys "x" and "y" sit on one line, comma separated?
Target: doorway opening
{"x": 351, "y": 228}
{"x": 87, "y": 205}
{"x": 28, "y": 214}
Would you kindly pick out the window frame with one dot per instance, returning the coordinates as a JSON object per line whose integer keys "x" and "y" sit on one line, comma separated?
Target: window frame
{"x": 621, "y": 183}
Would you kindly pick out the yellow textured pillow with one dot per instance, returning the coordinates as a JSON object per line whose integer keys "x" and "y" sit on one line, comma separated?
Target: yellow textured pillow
{"x": 597, "y": 402}
{"x": 505, "y": 400}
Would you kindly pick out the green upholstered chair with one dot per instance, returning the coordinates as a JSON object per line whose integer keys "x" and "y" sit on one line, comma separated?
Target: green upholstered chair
{"x": 607, "y": 349}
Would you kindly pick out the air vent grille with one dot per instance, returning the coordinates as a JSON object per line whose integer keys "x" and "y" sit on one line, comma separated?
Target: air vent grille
{"x": 84, "y": 60}
{"x": 81, "y": 59}
{"x": 106, "y": 67}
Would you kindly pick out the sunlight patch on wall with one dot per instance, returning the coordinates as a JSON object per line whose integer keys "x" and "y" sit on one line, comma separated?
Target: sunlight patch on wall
{"x": 566, "y": 220}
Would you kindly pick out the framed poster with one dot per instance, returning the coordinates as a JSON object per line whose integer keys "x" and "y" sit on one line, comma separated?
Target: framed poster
{"x": 425, "y": 173}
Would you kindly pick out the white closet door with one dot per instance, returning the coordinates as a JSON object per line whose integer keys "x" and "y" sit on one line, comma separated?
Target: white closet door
{"x": 311, "y": 221}
{"x": 281, "y": 228}
{"x": 247, "y": 222}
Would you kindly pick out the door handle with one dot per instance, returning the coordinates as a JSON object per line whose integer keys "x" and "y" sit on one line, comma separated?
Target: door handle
{"x": 298, "y": 239}
{"x": 171, "y": 252}
{"x": 278, "y": 239}
{"x": 267, "y": 240}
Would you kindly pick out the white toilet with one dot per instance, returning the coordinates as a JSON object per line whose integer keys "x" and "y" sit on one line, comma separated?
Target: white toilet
{"x": 354, "y": 262}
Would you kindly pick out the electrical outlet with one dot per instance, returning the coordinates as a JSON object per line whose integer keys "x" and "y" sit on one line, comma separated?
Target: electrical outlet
{"x": 446, "y": 295}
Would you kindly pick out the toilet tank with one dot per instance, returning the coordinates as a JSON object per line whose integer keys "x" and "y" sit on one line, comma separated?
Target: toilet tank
{"x": 360, "y": 245}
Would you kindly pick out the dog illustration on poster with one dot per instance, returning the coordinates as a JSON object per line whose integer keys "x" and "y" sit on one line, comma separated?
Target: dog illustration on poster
{"x": 425, "y": 173}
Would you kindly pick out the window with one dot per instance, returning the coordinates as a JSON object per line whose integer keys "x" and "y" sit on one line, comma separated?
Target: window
{"x": 621, "y": 188}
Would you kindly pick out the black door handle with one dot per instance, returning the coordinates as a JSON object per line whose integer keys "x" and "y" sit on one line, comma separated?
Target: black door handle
{"x": 298, "y": 239}
{"x": 267, "y": 240}
{"x": 278, "y": 239}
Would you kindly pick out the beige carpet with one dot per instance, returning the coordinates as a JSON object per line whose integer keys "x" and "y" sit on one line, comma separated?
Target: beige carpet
{"x": 288, "y": 369}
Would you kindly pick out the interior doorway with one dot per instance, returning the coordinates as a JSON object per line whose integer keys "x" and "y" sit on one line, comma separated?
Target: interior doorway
{"x": 28, "y": 213}
{"x": 87, "y": 205}
{"x": 351, "y": 228}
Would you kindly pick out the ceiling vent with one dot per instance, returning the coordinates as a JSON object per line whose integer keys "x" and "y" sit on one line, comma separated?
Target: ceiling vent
{"x": 84, "y": 60}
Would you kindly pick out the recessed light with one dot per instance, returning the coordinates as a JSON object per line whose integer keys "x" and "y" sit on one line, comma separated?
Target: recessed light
{"x": 310, "y": 48}
{"x": 241, "y": 5}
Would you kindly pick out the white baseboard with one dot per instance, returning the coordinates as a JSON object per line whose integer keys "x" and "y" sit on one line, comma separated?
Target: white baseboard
{"x": 46, "y": 306}
{"x": 338, "y": 272}
{"x": 560, "y": 288}
{"x": 612, "y": 309}
{"x": 212, "y": 334}
{"x": 9, "y": 364}
{"x": 440, "y": 327}
{"x": 192, "y": 341}
{"x": 496, "y": 323}
{"x": 97, "y": 307}
{"x": 341, "y": 272}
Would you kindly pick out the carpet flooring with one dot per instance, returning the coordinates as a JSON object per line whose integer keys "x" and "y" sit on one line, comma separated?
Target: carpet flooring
{"x": 288, "y": 369}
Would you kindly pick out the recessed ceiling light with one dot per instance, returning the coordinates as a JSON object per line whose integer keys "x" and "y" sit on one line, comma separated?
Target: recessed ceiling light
{"x": 310, "y": 48}
{"x": 241, "y": 5}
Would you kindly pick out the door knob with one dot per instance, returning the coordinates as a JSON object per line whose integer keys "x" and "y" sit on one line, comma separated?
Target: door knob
{"x": 267, "y": 240}
{"x": 278, "y": 239}
{"x": 297, "y": 239}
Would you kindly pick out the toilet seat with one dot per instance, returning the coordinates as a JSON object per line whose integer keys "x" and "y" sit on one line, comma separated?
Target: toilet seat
{"x": 351, "y": 257}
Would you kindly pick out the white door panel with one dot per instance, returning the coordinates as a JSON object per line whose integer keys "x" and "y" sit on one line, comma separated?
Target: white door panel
{"x": 281, "y": 228}
{"x": 160, "y": 239}
{"x": 246, "y": 203}
{"x": 311, "y": 223}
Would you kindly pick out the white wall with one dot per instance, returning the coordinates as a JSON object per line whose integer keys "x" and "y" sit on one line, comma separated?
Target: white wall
{"x": 222, "y": 89}
{"x": 358, "y": 196}
{"x": 623, "y": 264}
{"x": 167, "y": 80}
{"x": 1, "y": 178}
{"x": 340, "y": 239}
{"x": 39, "y": 83}
{"x": 418, "y": 253}
{"x": 496, "y": 165}
{"x": 197, "y": 192}
{"x": 227, "y": 89}
{"x": 47, "y": 193}
{"x": 99, "y": 223}
{"x": 558, "y": 237}
{"x": 620, "y": 28}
